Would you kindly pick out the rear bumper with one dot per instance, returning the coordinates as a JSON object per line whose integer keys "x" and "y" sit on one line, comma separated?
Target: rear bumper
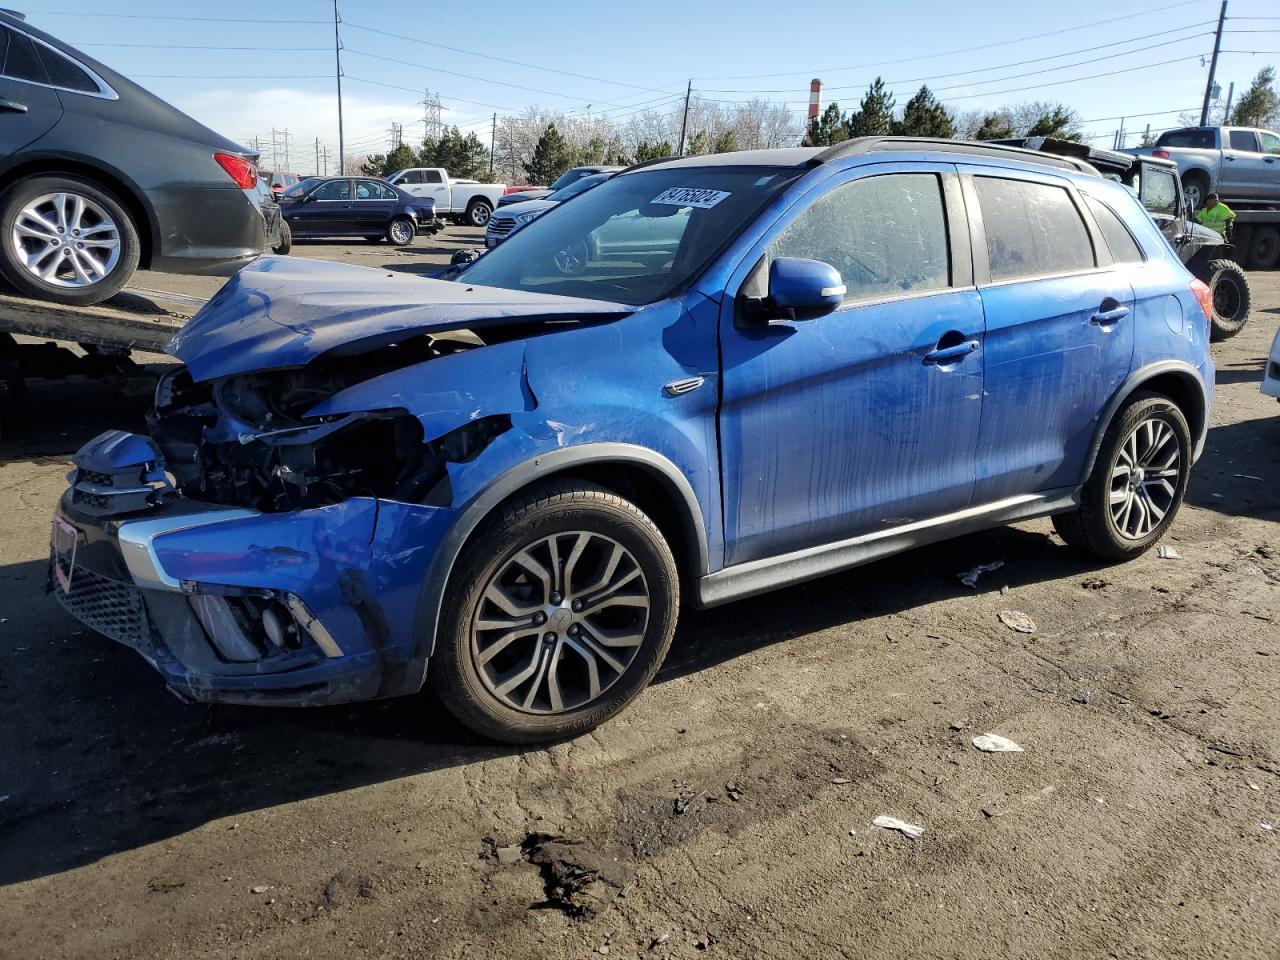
{"x": 189, "y": 585}
{"x": 211, "y": 231}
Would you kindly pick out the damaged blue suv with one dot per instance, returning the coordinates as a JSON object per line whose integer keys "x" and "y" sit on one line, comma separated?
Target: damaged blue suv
{"x": 770, "y": 366}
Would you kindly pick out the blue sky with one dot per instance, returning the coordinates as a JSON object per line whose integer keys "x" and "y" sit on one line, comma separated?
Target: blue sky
{"x": 616, "y": 58}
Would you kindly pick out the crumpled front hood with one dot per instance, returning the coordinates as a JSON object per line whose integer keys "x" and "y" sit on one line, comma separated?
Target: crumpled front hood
{"x": 284, "y": 312}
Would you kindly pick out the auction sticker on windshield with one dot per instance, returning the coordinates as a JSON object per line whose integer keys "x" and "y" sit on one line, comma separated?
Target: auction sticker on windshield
{"x": 690, "y": 197}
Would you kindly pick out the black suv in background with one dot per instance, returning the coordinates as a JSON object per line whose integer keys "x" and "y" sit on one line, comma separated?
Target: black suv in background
{"x": 99, "y": 177}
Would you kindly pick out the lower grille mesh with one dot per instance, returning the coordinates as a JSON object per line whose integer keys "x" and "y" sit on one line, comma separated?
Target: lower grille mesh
{"x": 113, "y": 608}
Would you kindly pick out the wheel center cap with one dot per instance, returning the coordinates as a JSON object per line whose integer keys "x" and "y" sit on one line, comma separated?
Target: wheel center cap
{"x": 561, "y": 618}
{"x": 1138, "y": 476}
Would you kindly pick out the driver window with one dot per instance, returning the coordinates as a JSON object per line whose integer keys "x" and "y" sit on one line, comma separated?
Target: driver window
{"x": 887, "y": 235}
{"x": 334, "y": 190}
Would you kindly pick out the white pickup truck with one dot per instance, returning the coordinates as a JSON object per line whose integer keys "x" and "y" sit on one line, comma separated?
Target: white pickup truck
{"x": 463, "y": 201}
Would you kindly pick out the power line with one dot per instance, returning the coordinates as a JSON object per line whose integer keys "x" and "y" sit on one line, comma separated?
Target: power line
{"x": 197, "y": 46}
{"x": 490, "y": 56}
{"x": 142, "y": 16}
{"x": 947, "y": 53}
{"x": 396, "y": 86}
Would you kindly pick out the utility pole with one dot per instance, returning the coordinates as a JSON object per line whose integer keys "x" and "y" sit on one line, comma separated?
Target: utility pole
{"x": 684, "y": 124}
{"x": 1213, "y": 66}
{"x": 337, "y": 62}
{"x": 317, "y": 156}
{"x": 324, "y": 154}
{"x": 1231, "y": 92}
{"x": 493, "y": 143}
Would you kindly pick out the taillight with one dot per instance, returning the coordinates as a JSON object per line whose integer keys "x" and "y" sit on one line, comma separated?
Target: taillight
{"x": 1205, "y": 298}
{"x": 1162, "y": 154}
{"x": 243, "y": 172}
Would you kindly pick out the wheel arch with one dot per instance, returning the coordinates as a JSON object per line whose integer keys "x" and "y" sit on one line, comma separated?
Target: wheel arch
{"x": 129, "y": 195}
{"x": 1177, "y": 380}
{"x": 649, "y": 479}
{"x": 478, "y": 198}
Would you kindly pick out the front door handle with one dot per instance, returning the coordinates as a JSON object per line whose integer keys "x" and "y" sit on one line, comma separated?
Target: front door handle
{"x": 11, "y": 106}
{"x": 1110, "y": 312}
{"x": 951, "y": 354}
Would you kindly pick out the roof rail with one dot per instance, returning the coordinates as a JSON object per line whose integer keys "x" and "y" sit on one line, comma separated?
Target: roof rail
{"x": 859, "y": 146}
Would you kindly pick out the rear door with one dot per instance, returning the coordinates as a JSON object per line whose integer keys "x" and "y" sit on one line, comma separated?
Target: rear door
{"x": 1270, "y": 185}
{"x": 372, "y": 208}
{"x": 29, "y": 106}
{"x": 1242, "y": 165}
{"x": 1059, "y": 330}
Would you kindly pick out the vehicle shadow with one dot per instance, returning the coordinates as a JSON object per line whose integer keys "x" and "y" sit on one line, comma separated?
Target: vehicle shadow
{"x": 101, "y": 759}
{"x": 1239, "y": 473}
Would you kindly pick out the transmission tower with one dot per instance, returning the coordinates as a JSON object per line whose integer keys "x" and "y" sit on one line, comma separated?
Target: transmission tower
{"x": 280, "y": 148}
{"x": 432, "y": 125}
{"x": 397, "y": 134}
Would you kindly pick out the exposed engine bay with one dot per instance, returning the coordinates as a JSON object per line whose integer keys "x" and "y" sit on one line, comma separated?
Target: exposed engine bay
{"x": 246, "y": 440}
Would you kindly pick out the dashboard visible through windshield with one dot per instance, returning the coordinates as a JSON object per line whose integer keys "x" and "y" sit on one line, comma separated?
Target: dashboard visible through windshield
{"x": 635, "y": 239}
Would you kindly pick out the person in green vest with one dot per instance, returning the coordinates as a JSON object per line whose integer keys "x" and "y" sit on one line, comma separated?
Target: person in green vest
{"x": 1216, "y": 215}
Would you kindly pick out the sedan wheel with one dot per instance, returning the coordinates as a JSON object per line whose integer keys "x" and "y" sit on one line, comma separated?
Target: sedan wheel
{"x": 400, "y": 232}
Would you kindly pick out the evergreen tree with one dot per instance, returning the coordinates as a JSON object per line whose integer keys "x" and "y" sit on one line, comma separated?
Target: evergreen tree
{"x": 995, "y": 126}
{"x": 827, "y": 129}
{"x": 924, "y": 116}
{"x": 552, "y": 156}
{"x": 874, "y": 117}
{"x": 1059, "y": 121}
{"x": 466, "y": 158}
{"x": 653, "y": 151}
{"x": 593, "y": 152}
{"x": 699, "y": 144}
{"x": 385, "y": 164}
{"x": 1260, "y": 104}
{"x": 727, "y": 142}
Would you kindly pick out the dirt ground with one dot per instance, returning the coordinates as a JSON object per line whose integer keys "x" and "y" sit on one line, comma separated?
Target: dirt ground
{"x": 729, "y": 811}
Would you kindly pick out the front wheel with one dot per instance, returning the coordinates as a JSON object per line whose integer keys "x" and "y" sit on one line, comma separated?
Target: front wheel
{"x": 400, "y": 231}
{"x": 1231, "y": 298}
{"x": 1138, "y": 481}
{"x": 478, "y": 213}
{"x": 66, "y": 240}
{"x": 559, "y": 612}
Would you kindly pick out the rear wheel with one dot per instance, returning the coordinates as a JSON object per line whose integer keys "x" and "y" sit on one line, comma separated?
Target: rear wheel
{"x": 66, "y": 240}
{"x": 286, "y": 239}
{"x": 1137, "y": 484}
{"x": 1264, "y": 248}
{"x": 1195, "y": 187}
{"x": 478, "y": 213}
{"x": 560, "y": 611}
{"x": 1231, "y": 298}
{"x": 400, "y": 231}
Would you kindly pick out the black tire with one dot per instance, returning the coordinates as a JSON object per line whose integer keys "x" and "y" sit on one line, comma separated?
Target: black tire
{"x": 478, "y": 213}
{"x": 286, "y": 240}
{"x": 1264, "y": 248}
{"x": 1231, "y": 299}
{"x": 1195, "y": 187}
{"x": 11, "y": 259}
{"x": 555, "y": 507}
{"x": 1090, "y": 528}
{"x": 398, "y": 224}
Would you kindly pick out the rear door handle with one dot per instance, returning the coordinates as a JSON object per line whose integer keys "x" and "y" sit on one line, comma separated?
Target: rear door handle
{"x": 949, "y": 354}
{"x": 11, "y": 106}
{"x": 1106, "y": 317}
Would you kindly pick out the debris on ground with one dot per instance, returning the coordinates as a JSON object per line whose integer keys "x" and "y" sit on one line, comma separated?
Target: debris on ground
{"x": 260, "y": 888}
{"x": 578, "y": 880}
{"x": 1082, "y": 695}
{"x": 1266, "y": 825}
{"x": 840, "y": 781}
{"x": 1018, "y": 621}
{"x": 959, "y": 725}
{"x": 733, "y": 791}
{"x": 993, "y": 743}
{"x": 1225, "y": 748}
{"x": 660, "y": 939}
{"x": 508, "y": 855}
{"x": 1165, "y": 552}
{"x": 1094, "y": 583}
{"x": 970, "y": 577}
{"x": 912, "y": 830}
{"x": 343, "y": 887}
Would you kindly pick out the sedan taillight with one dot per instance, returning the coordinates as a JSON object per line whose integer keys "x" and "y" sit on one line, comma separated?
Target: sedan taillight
{"x": 243, "y": 172}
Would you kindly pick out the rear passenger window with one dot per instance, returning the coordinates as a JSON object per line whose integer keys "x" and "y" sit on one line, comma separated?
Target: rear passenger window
{"x": 1124, "y": 249}
{"x": 63, "y": 73}
{"x": 886, "y": 235}
{"x": 413, "y": 176}
{"x": 432, "y": 176}
{"x": 1032, "y": 229}
{"x": 21, "y": 61}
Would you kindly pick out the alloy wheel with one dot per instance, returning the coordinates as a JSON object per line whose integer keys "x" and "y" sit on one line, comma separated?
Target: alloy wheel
{"x": 1144, "y": 479}
{"x": 401, "y": 232}
{"x": 66, "y": 240}
{"x": 560, "y": 622}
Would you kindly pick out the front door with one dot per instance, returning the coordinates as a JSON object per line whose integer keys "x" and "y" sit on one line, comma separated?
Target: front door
{"x": 325, "y": 211}
{"x": 867, "y": 418}
{"x": 1060, "y": 331}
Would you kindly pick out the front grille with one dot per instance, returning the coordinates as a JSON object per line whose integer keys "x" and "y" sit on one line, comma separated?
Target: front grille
{"x": 501, "y": 226}
{"x": 113, "y": 608}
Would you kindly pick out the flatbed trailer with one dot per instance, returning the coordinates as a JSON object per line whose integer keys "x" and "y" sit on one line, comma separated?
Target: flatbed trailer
{"x": 39, "y": 340}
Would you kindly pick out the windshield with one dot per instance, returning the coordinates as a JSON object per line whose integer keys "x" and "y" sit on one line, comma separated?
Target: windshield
{"x": 635, "y": 239}
{"x": 568, "y": 177}
{"x": 579, "y": 186}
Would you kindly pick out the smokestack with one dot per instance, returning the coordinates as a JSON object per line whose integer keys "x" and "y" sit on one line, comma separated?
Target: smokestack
{"x": 815, "y": 95}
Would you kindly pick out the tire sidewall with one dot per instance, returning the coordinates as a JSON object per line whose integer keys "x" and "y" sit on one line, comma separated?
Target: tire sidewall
{"x": 474, "y": 216}
{"x": 452, "y": 664}
{"x": 1142, "y": 407}
{"x": 1228, "y": 271}
{"x": 22, "y": 192}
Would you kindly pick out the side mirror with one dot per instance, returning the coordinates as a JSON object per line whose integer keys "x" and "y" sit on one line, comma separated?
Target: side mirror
{"x": 309, "y": 198}
{"x": 801, "y": 289}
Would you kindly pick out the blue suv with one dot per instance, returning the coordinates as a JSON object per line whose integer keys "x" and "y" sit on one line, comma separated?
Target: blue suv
{"x": 781, "y": 364}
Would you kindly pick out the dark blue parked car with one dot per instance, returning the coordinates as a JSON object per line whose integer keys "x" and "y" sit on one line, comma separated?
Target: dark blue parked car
{"x": 356, "y": 207}
{"x": 359, "y": 483}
